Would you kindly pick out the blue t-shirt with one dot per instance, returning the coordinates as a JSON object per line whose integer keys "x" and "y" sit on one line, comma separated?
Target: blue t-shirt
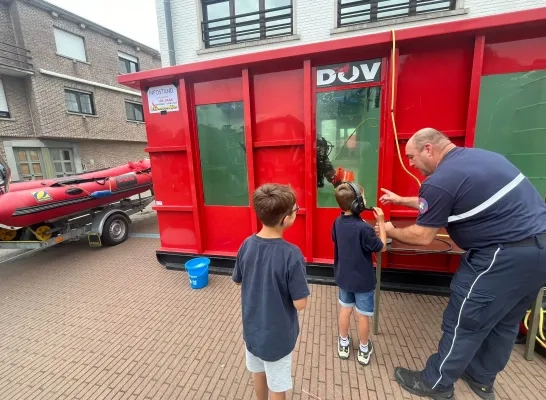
{"x": 481, "y": 199}
{"x": 354, "y": 242}
{"x": 272, "y": 275}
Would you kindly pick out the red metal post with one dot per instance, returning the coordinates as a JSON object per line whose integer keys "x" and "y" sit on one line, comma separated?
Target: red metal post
{"x": 249, "y": 144}
{"x": 310, "y": 178}
{"x": 474, "y": 98}
{"x": 184, "y": 95}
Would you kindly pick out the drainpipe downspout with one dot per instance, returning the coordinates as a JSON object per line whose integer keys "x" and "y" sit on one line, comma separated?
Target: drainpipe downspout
{"x": 170, "y": 37}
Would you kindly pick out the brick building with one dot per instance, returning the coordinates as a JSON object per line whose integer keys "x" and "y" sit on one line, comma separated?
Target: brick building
{"x": 202, "y": 29}
{"x": 61, "y": 108}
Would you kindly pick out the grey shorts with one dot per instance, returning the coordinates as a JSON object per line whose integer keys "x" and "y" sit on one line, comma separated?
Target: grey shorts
{"x": 277, "y": 373}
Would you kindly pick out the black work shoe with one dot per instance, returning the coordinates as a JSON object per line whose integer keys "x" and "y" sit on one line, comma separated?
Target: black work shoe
{"x": 483, "y": 391}
{"x": 412, "y": 382}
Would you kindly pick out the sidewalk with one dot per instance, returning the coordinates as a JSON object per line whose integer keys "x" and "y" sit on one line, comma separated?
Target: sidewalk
{"x": 112, "y": 323}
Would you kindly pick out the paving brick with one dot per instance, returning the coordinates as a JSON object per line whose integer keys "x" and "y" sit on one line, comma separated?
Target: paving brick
{"x": 111, "y": 323}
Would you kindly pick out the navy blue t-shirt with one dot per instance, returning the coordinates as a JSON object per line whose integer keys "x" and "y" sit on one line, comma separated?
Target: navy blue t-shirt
{"x": 354, "y": 242}
{"x": 481, "y": 199}
{"x": 272, "y": 275}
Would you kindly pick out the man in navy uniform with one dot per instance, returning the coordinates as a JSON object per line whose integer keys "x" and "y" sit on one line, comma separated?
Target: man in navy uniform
{"x": 491, "y": 210}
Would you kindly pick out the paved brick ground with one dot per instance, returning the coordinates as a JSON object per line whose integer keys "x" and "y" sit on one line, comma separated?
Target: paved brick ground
{"x": 111, "y": 323}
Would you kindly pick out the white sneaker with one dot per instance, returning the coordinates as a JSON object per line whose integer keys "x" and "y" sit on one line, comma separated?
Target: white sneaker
{"x": 343, "y": 351}
{"x": 364, "y": 356}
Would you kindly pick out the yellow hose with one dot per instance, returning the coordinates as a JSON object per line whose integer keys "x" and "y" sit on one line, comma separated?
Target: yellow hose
{"x": 393, "y": 63}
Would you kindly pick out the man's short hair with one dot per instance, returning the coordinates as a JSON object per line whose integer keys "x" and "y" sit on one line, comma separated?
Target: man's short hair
{"x": 272, "y": 202}
{"x": 429, "y": 135}
{"x": 345, "y": 195}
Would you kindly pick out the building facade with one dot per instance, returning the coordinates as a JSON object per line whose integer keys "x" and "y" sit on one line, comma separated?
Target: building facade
{"x": 62, "y": 110}
{"x": 196, "y": 30}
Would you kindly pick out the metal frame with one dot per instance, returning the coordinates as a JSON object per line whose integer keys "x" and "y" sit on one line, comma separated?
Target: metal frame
{"x": 85, "y": 223}
{"x": 78, "y": 94}
{"x": 135, "y": 105}
{"x": 376, "y": 7}
{"x": 536, "y": 309}
{"x": 231, "y": 24}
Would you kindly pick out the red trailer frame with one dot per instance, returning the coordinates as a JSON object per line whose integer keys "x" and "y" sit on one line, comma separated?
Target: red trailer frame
{"x": 437, "y": 76}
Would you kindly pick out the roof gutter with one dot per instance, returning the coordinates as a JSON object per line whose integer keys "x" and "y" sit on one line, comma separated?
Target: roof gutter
{"x": 170, "y": 37}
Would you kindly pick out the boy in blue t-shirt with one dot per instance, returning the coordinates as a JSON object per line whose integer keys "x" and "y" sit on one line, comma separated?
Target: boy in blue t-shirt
{"x": 354, "y": 242}
{"x": 274, "y": 288}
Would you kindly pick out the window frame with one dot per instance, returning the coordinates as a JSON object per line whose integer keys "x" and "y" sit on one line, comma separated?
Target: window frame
{"x": 127, "y": 59}
{"x": 134, "y": 104}
{"x": 78, "y": 93}
{"x": 4, "y": 114}
{"x": 56, "y": 28}
{"x": 375, "y": 8}
{"x": 29, "y": 163}
{"x": 205, "y": 37}
{"x": 62, "y": 161}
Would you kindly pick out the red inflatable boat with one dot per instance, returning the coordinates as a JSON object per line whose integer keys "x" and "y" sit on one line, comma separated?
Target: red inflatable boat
{"x": 26, "y": 204}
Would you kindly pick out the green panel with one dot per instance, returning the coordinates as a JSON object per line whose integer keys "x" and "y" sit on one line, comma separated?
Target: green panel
{"x": 512, "y": 121}
{"x": 220, "y": 128}
{"x": 349, "y": 121}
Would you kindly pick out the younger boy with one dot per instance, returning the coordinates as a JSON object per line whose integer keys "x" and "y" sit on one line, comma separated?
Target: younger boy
{"x": 274, "y": 288}
{"x": 354, "y": 242}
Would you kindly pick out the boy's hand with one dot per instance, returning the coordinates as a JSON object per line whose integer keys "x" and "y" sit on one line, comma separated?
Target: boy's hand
{"x": 388, "y": 226}
{"x": 379, "y": 215}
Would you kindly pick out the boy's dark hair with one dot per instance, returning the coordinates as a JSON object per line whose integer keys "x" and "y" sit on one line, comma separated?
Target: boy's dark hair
{"x": 345, "y": 195}
{"x": 272, "y": 202}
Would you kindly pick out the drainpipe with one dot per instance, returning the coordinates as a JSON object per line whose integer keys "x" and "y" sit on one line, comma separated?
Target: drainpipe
{"x": 169, "y": 25}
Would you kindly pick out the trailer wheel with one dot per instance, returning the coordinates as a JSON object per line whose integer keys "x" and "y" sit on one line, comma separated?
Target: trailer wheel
{"x": 115, "y": 230}
{"x": 9, "y": 235}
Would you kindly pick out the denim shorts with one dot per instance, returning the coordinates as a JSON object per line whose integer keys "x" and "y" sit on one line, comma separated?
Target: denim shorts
{"x": 364, "y": 302}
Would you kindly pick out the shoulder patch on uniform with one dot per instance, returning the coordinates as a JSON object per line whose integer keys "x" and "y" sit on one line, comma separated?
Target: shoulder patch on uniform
{"x": 423, "y": 205}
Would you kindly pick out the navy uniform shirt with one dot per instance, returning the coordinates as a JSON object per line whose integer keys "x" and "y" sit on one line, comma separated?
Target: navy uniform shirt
{"x": 354, "y": 242}
{"x": 272, "y": 276}
{"x": 481, "y": 199}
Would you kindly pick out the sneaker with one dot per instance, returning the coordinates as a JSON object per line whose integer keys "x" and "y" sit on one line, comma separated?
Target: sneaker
{"x": 343, "y": 351}
{"x": 364, "y": 356}
{"x": 412, "y": 382}
{"x": 483, "y": 391}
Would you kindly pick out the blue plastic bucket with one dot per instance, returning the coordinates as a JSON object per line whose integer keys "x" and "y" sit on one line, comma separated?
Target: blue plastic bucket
{"x": 198, "y": 272}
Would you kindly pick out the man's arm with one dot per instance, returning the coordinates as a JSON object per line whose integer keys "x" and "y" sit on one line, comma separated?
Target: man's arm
{"x": 413, "y": 234}
{"x": 391, "y": 197}
{"x": 412, "y": 202}
{"x": 434, "y": 205}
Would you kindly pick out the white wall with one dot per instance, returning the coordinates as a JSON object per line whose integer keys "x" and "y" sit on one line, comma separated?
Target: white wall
{"x": 314, "y": 21}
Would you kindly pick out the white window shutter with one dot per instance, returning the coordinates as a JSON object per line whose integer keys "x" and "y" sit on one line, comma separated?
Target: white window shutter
{"x": 3, "y": 100}
{"x": 70, "y": 45}
{"x": 127, "y": 57}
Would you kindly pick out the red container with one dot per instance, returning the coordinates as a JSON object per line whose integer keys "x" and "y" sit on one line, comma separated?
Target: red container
{"x": 241, "y": 121}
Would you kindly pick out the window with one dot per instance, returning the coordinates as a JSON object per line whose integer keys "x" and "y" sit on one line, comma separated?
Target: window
{"x": 4, "y": 110}
{"x": 70, "y": 45}
{"x": 512, "y": 121}
{"x": 63, "y": 161}
{"x": 79, "y": 102}
{"x": 29, "y": 164}
{"x": 220, "y": 129}
{"x": 350, "y": 12}
{"x": 348, "y": 141}
{"x": 133, "y": 111}
{"x": 127, "y": 63}
{"x": 235, "y": 21}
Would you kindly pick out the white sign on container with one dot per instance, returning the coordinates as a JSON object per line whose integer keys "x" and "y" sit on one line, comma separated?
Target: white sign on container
{"x": 162, "y": 98}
